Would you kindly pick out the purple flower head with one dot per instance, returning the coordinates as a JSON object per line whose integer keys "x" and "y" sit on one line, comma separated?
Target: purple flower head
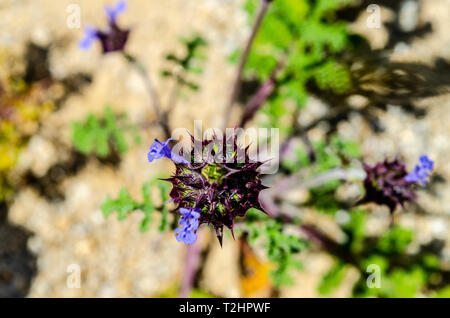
{"x": 421, "y": 171}
{"x": 386, "y": 184}
{"x": 160, "y": 149}
{"x": 113, "y": 38}
{"x": 113, "y": 11}
{"x": 220, "y": 190}
{"x": 189, "y": 223}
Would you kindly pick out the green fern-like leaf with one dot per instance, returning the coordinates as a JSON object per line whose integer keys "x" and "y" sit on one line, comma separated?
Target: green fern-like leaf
{"x": 101, "y": 136}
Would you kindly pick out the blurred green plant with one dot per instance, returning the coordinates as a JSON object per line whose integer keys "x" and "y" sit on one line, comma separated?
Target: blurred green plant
{"x": 124, "y": 204}
{"x": 281, "y": 247}
{"x": 190, "y": 64}
{"x": 103, "y": 136}
{"x": 307, "y": 37}
{"x": 173, "y": 291}
{"x": 337, "y": 152}
{"x": 400, "y": 274}
{"x": 303, "y": 41}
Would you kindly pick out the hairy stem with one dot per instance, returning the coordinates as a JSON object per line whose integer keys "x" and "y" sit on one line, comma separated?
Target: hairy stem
{"x": 243, "y": 60}
{"x": 296, "y": 181}
{"x": 162, "y": 117}
{"x": 190, "y": 269}
{"x": 172, "y": 103}
{"x": 263, "y": 93}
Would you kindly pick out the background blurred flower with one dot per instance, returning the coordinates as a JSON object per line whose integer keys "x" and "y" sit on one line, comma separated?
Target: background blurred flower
{"x": 386, "y": 184}
{"x": 421, "y": 171}
{"x": 114, "y": 38}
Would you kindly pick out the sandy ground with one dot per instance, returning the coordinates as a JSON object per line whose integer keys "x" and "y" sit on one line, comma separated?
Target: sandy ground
{"x": 115, "y": 259}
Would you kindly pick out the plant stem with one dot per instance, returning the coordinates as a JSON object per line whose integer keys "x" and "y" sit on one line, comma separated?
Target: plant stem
{"x": 190, "y": 269}
{"x": 296, "y": 181}
{"x": 264, "y": 91}
{"x": 298, "y": 131}
{"x": 243, "y": 60}
{"x": 162, "y": 117}
{"x": 173, "y": 97}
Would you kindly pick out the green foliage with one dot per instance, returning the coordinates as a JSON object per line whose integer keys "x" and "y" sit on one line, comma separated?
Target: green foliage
{"x": 337, "y": 153}
{"x": 173, "y": 292}
{"x": 125, "y": 204}
{"x": 401, "y": 274}
{"x": 281, "y": 247}
{"x": 443, "y": 293}
{"x": 332, "y": 76}
{"x": 188, "y": 65}
{"x": 332, "y": 278}
{"x": 102, "y": 136}
{"x": 198, "y": 293}
{"x": 308, "y": 37}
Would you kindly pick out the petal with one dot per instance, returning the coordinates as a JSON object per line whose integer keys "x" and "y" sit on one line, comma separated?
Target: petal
{"x": 90, "y": 35}
{"x": 121, "y": 6}
{"x": 150, "y": 156}
{"x": 426, "y": 162}
{"x": 193, "y": 225}
{"x": 178, "y": 159}
{"x": 167, "y": 142}
{"x": 184, "y": 210}
{"x": 179, "y": 234}
{"x": 411, "y": 177}
{"x": 195, "y": 214}
{"x": 157, "y": 151}
{"x": 113, "y": 11}
{"x": 190, "y": 238}
{"x": 184, "y": 221}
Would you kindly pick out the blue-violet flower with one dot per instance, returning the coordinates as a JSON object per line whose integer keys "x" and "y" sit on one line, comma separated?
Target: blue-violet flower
{"x": 220, "y": 189}
{"x": 160, "y": 150}
{"x": 112, "y": 39}
{"x": 421, "y": 171}
{"x": 388, "y": 182}
{"x": 189, "y": 223}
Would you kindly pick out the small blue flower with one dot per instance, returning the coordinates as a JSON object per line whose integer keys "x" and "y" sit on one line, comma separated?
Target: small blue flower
{"x": 189, "y": 223}
{"x": 421, "y": 171}
{"x": 183, "y": 234}
{"x": 189, "y": 217}
{"x": 160, "y": 149}
{"x": 426, "y": 162}
{"x": 178, "y": 159}
{"x": 113, "y": 11}
{"x": 90, "y": 35}
{"x": 113, "y": 38}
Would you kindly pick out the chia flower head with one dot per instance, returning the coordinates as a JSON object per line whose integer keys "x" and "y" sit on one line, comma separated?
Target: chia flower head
{"x": 388, "y": 183}
{"x": 113, "y": 38}
{"x": 218, "y": 190}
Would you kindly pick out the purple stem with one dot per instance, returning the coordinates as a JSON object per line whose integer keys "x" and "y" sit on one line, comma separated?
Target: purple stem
{"x": 162, "y": 117}
{"x": 264, "y": 91}
{"x": 190, "y": 268}
{"x": 255, "y": 103}
{"x": 237, "y": 82}
{"x": 297, "y": 181}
